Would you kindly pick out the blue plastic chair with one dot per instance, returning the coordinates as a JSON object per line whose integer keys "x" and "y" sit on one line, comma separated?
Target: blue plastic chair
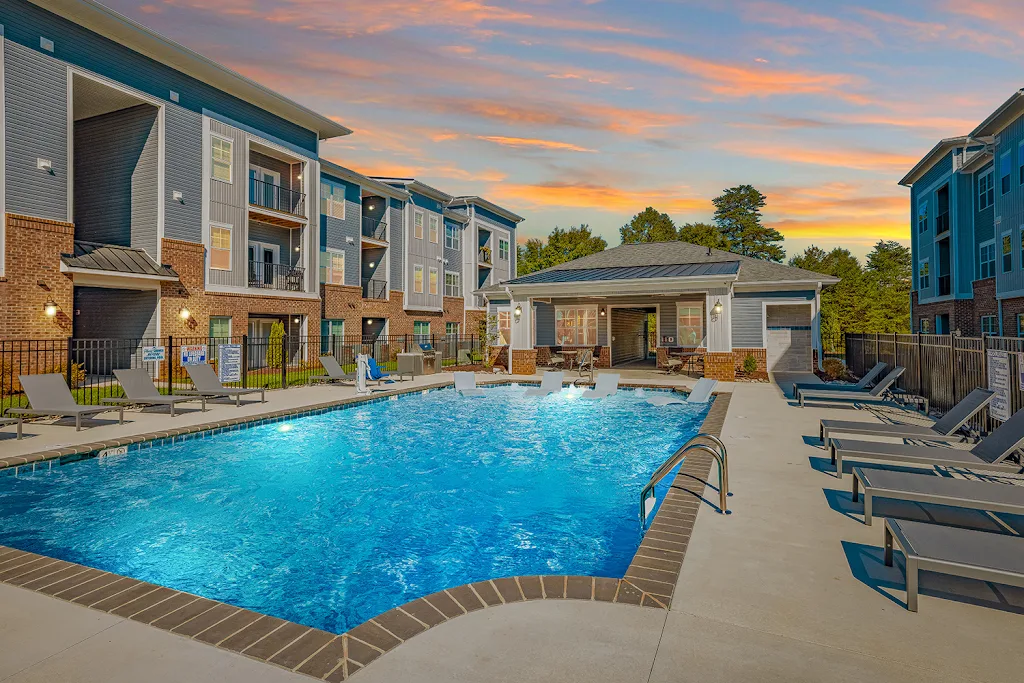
{"x": 375, "y": 373}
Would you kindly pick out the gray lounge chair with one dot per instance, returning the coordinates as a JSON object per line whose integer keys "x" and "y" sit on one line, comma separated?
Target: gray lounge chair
{"x": 551, "y": 383}
{"x": 139, "y": 390}
{"x": 334, "y": 372}
{"x": 980, "y": 555}
{"x": 876, "y": 395}
{"x": 4, "y": 421}
{"x": 938, "y": 490}
{"x": 605, "y": 385}
{"x": 701, "y": 393}
{"x": 49, "y": 395}
{"x": 207, "y": 384}
{"x": 945, "y": 428}
{"x": 862, "y": 385}
{"x": 988, "y": 454}
{"x": 465, "y": 384}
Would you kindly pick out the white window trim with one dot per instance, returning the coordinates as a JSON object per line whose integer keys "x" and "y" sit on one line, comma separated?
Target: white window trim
{"x": 434, "y": 229}
{"x": 230, "y": 325}
{"x": 330, "y": 199}
{"x": 458, "y": 328}
{"x": 703, "y": 322}
{"x": 508, "y": 248}
{"x": 417, "y": 228}
{"x": 922, "y": 207}
{"x": 981, "y": 261}
{"x": 990, "y": 174}
{"x": 417, "y": 267}
{"x": 432, "y": 272}
{"x": 597, "y": 322}
{"x": 420, "y": 322}
{"x": 231, "y": 245}
{"x": 456, "y": 240}
{"x": 330, "y": 265}
{"x": 231, "y": 158}
{"x": 458, "y": 282}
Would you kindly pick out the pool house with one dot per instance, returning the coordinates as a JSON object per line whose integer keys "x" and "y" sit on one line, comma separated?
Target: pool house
{"x": 647, "y": 305}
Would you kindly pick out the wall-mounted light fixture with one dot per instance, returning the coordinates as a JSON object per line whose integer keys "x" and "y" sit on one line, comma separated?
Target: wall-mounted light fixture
{"x": 602, "y": 312}
{"x": 297, "y": 249}
{"x": 518, "y": 313}
{"x": 370, "y": 207}
{"x": 296, "y": 320}
{"x": 373, "y": 263}
{"x": 369, "y": 321}
{"x": 50, "y": 308}
{"x": 716, "y": 310}
{"x": 178, "y": 196}
{"x": 184, "y": 313}
{"x": 45, "y": 165}
{"x": 350, "y": 240}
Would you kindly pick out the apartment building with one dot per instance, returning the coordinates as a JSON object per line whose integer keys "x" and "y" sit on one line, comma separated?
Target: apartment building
{"x": 967, "y": 229}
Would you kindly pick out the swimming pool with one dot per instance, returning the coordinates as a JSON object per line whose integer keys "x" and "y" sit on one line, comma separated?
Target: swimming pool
{"x": 330, "y": 519}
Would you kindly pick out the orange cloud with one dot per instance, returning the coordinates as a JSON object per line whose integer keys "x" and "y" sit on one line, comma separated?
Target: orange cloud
{"x": 855, "y": 158}
{"x": 842, "y": 230}
{"x": 785, "y": 16}
{"x": 533, "y": 143}
{"x": 596, "y": 197}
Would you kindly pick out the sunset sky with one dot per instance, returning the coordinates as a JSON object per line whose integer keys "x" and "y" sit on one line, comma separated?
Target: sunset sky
{"x": 570, "y": 111}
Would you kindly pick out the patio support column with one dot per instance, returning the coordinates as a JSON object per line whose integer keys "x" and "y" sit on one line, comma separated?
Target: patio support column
{"x": 718, "y": 359}
{"x": 521, "y": 355}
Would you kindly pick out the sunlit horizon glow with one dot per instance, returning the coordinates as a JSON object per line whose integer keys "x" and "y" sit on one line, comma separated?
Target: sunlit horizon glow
{"x": 587, "y": 111}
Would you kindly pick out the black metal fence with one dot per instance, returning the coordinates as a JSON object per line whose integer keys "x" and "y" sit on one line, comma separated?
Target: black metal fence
{"x": 88, "y": 364}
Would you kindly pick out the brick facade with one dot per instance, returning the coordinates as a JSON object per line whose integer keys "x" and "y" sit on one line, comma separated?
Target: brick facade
{"x": 32, "y": 277}
{"x": 524, "y": 361}
{"x": 347, "y": 303}
{"x": 720, "y": 366}
{"x": 1011, "y": 308}
{"x": 739, "y": 355}
{"x": 964, "y": 314}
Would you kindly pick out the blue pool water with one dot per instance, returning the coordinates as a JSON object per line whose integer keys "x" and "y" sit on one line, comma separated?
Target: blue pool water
{"x": 329, "y": 520}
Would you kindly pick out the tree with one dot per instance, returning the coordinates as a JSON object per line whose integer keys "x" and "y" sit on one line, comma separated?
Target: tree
{"x": 274, "y": 357}
{"x": 649, "y": 226}
{"x": 738, "y": 217}
{"x": 704, "y": 234}
{"x": 562, "y": 246}
{"x": 889, "y": 275}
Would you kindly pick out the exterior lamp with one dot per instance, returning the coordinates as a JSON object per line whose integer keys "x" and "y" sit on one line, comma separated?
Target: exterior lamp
{"x": 372, "y": 264}
{"x": 50, "y": 308}
{"x": 296, "y": 320}
{"x": 518, "y": 312}
{"x": 602, "y": 312}
{"x": 369, "y": 321}
{"x": 184, "y": 314}
{"x": 370, "y": 207}
{"x": 717, "y": 308}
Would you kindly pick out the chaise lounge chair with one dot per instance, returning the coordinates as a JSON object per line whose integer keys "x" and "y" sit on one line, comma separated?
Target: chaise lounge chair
{"x": 988, "y": 454}
{"x": 551, "y": 383}
{"x": 945, "y": 428}
{"x": 877, "y": 395}
{"x": 937, "y": 490}
{"x": 465, "y": 384}
{"x": 139, "y": 390}
{"x": 701, "y": 393}
{"x": 980, "y": 555}
{"x": 207, "y": 384}
{"x": 49, "y": 395}
{"x": 605, "y": 385}
{"x": 334, "y": 372}
{"x": 375, "y": 373}
{"x": 4, "y": 421}
{"x": 862, "y": 385}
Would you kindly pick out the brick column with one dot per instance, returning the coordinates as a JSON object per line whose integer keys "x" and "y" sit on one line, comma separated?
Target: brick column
{"x": 32, "y": 276}
{"x": 720, "y": 366}
{"x": 524, "y": 361}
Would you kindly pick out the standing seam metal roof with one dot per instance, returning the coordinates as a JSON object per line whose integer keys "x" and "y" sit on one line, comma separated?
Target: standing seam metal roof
{"x": 114, "y": 258}
{"x": 630, "y": 272}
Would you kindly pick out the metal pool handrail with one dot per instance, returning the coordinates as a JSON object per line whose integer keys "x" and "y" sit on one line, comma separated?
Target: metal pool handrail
{"x": 718, "y": 452}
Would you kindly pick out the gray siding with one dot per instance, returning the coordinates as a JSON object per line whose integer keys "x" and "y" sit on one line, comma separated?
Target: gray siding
{"x": 336, "y": 232}
{"x": 747, "y": 323}
{"x": 116, "y": 164}
{"x": 282, "y": 237}
{"x": 396, "y": 240}
{"x": 544, "y": 324}
{"x": 267, "y": 163}
{"x": 454, "y": 256}
{"x": 423, "y": 252}
{"x": 36, "y": 93}
{"x": 228, "y": 202}
{"x": 183, "y": 146}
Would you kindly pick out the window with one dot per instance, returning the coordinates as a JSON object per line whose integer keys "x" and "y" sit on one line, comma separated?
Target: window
{"x": 987, "y": 259}
{"x": 452, "y": 236}
{"x": 942, "y": 323}
{"x": 504, "y": 328}
{"x": 1020, "y": 324}
{"x": 220, "y": 327}
{"x": 334, "y": 328}
{"x": 576, "y": 326}
{"x": 220, "y": 247}
{"x": 690, "y": 325}
{"x": 503, "y": 249}
{"x": 332, "y": 200}
{"x": 452, "y": 284}
{"x": 335, "y": 267}
{"x": 1020, "y": 163}
{"x": 922, "y": 216}
{"x": 1007, "y": 251}
{"x": 986, "y": 194}
{"x": 417, "y": 278}
{"x": 418, "y": 225}
{"x": 221, "y": 157}
{"x": 989, "y": 324}
{"x": 433, "y": 228}
{"x": 451, "y": 329}
{"x": 1005, "y": 166}
{"x": 433, "y": 280}
{"x": 926, "y": 326}
{"x": 421, "y": 331}
{"x": 923, "y": 275}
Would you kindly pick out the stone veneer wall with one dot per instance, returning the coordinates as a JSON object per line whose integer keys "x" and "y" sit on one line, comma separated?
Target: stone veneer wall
{"x": 33, "y": 248}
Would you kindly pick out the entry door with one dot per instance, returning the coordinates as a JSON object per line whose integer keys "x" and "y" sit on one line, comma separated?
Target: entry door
{"x": 262, "y": 258}
{"x": 264, "y": 187}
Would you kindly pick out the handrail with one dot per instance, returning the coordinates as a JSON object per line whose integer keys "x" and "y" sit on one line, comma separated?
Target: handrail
{"x": 718, "y": 452}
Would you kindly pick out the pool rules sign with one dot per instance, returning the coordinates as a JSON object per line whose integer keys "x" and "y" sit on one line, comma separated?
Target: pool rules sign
{"x": 998, "y": 363}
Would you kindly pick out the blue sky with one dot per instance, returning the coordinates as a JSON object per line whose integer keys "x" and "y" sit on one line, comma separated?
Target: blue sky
{"x": 586, "y": 111}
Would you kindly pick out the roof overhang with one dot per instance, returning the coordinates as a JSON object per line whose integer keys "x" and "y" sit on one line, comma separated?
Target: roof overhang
{"x": 137, "y": 37}
{"x": 1003, "y": 116}
{"x": 363, "y": 181}
{"x": 413, "y": 185}
{"x": 90, "y": 277}
{"x": 938, "y": 152}
{"x": 977, "y": 160}
{"x": 456, "y": 216}
{"x": 650, "y": 286}
{"x": 490, "y": 206}
{"x": 786, "y": 285}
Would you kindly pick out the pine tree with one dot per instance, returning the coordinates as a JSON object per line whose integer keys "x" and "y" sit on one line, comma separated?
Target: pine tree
{"x": 738, "y": 217}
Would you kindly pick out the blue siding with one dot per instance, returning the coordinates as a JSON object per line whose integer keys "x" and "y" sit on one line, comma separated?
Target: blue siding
{"x": 923, "y": 244}
{"x": 1009, "y": 209}
{"x": 425, "y": 202}
{"x": 495, "y": 218}
{"x": 965, "y": 245}
{"x": 25, "y": 23}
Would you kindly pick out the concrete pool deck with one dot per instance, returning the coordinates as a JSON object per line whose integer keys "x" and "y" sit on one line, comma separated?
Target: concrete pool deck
{"x": 789, "y": 587}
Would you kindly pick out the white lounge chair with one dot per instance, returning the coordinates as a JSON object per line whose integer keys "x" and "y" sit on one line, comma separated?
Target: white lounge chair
{"x": 334, "y": 372}
{"x": 49, "y": 395}
{"x": 701, "y": 393}
{"x": 139, "y": 389}
{"x": 465, "y": 384}
{"x": 606, "y": 385}
{"x": 551, "y": 383}
{"x": 207, "y": 384}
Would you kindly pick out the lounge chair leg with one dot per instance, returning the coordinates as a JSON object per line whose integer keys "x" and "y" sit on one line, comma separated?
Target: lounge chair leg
{"x": 912, "y": 585}
{"x": 238, "y": 400}
{"x": 821, "y": 434}
{"x": 172, "y": 409}
{"x": 120, "y": 416}
{"x": 832, "y": 452}
{"x": 20, "y": 423}
{"x": 888, "y": 547}
{"x": 856, "y": 487}
{"x": 867, "y": 507}
{"x": 839, "y": 464}
{"x": 202, "y": 402}
{"x": 78, "y": 422}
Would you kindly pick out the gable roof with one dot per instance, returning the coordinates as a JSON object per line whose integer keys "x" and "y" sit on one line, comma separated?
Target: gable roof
{"x": 629, "y": 272}
{"x": 938, "y": 152}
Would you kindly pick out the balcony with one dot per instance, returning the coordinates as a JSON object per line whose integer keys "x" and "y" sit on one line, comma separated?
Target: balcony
{"x": 375, "y": 289}
{"x": 266, "y": 195}
{"x": 375, "y": 229}
{"x": 484, "y": 256}
{"x": 942, "y": 223}
{"x": 943, "y": 282}
{"x": 276, "y": 276}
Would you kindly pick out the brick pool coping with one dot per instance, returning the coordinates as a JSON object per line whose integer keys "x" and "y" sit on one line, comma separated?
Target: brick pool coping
{"x": 648, "y": 582}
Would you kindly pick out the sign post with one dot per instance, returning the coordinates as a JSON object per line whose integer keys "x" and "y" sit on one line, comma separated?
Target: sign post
{"x": 998, "y": 364}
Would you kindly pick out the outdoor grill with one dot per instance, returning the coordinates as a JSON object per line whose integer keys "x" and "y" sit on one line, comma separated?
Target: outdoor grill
{"x": 429, "y": 358}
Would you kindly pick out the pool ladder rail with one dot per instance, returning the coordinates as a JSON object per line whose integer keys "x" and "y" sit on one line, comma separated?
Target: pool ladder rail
{"x": 707, "y": 443}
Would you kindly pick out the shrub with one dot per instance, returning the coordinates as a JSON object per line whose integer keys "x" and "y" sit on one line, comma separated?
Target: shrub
{"x": 833, "y": 368}
{"x": 750, "y": 364}
{"x": 274, "y": 345}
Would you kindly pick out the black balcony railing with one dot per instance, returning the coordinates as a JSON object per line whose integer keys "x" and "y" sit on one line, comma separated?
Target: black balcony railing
{"x": 944, "y": 285}
{"x": 942, "y": 223}
{"x": 375, "y": 289}
{"x": 375, "y": 228}
{"x": 276, "y": 276}
{"x": 270, "y": 196}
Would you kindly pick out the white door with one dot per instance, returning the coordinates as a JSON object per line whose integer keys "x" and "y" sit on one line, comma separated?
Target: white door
{"x": 789, "y": 338}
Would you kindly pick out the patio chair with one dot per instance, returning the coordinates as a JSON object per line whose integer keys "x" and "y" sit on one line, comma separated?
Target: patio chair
{"x": 556, "y": 360}
{"x": 375, "y": 373}
{"x": 464, "y": 357}
{"x": 878, "y": 394}
{"x": 465, "y": 384}
{"x": 49, "y": 395}
{"x": 139, "y": 389}
{"x": 701, "y": 393}
{"x": 862, "y": 385}
{"x": 980, "y": 555}
{"x": 946, "y": 428}
{"x": 551, "y": 383}
{"x": 334, "y": 372}
{"x": 607, "y": 384}
{"x": 988, "y": 454}
{"x": 206, "y": 384}
{"x": 937, "y": 490}
{"x": 673, "y": 365}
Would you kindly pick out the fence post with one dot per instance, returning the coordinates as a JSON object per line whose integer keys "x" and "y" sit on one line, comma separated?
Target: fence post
{"x": 245, "y": 361}
{"x": 895, "y": 351}
{"x": 284, "y": 362}
{"x": 863, "y": 353}
{"x": 920, "y": 377}
{"x": 170, "y": 364}
{"x": 68, "y": 358}
{"x": 952, "y": 369}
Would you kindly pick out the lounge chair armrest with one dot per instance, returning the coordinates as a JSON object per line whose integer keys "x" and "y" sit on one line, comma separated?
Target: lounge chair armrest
{"x": 124, "y": 399}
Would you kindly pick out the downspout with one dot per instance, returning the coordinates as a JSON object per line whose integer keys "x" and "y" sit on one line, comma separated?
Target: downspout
{"x": 511, "y": 334}
{"x": 999, "y": 304}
